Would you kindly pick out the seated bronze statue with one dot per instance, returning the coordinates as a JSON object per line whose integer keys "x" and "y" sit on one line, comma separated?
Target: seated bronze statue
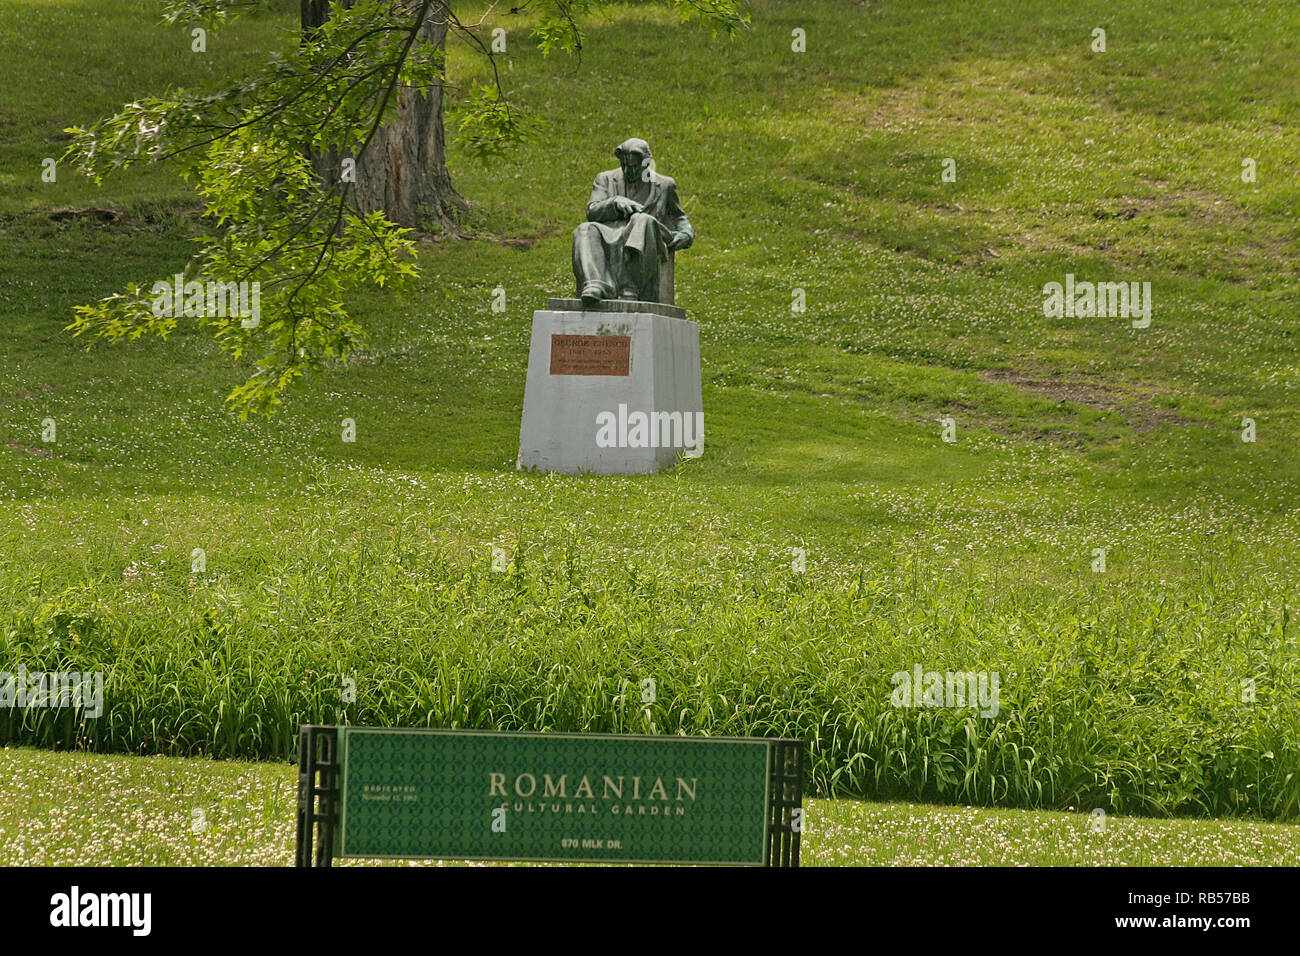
{"x": 634, "y": 224}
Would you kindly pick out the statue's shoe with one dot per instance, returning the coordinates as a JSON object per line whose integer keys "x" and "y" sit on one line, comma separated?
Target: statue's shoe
{"x": 628, "y": 294}
{"x": 591, "y": 295}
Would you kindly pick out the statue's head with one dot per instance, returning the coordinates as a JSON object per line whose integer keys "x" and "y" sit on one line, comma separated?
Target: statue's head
{"x": 634, "y": 156}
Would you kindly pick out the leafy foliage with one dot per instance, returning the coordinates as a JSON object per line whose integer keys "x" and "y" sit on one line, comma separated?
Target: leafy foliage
{"x": 247, "y": 150}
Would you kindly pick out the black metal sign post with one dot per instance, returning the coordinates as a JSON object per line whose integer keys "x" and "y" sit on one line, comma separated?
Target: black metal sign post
{"x": 318, "y": 793}
{"x": 785, "y": 823}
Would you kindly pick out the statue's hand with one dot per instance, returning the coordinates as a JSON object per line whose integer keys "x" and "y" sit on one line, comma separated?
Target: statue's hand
{"x": 679, "y": 240}
{"x": 627, "y": 207}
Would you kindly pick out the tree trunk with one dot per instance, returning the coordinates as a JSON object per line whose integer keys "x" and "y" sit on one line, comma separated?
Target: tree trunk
{"x": 403, "y": 172}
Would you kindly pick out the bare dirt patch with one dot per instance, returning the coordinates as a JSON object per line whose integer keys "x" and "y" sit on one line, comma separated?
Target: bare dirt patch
{"x": 96, "y": 215}
{"x": 29, "y": 450}
{"x": 1126, "y": 403}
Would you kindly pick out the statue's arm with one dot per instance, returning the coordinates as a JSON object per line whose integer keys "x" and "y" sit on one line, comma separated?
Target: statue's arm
{"x": 601, "y": 206}
{"x": 681, "y": 226}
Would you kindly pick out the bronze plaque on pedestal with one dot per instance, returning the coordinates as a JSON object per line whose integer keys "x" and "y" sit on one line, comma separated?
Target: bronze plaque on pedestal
{"x": 590, "y": 354}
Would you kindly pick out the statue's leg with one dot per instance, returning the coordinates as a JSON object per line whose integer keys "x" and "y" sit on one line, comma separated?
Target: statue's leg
{"x": 641, "y": 264}
{"x": 590, "y": 264}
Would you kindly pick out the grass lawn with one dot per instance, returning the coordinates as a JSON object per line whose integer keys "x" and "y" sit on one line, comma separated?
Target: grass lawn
{"x": 64, "y": 809}
{"x": 1167, "y": 684}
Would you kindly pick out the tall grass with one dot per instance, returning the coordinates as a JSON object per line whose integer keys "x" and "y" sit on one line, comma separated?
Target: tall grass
{"x": 1110, "y": 696}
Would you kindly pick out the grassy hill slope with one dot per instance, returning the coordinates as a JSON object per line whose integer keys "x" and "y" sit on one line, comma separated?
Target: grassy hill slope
{"x": 327, "y": 561}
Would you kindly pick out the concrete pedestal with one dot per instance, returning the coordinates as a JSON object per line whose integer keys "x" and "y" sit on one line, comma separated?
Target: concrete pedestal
{"x": 613, "y": 390}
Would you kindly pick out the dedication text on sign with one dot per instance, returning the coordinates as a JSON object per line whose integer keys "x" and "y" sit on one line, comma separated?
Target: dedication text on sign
{"x": 591, "y": 354}
{"x": 569, "y": 797}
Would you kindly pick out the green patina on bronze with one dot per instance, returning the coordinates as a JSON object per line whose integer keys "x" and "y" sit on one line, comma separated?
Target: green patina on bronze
{"x": 634, "y": 224}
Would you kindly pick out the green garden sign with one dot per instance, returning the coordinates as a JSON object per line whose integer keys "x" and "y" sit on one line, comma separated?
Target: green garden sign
{"x": 483, "y": 795}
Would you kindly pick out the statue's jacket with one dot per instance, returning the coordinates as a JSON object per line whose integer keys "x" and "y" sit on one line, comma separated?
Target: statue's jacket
{"x": 658, "y": 196}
